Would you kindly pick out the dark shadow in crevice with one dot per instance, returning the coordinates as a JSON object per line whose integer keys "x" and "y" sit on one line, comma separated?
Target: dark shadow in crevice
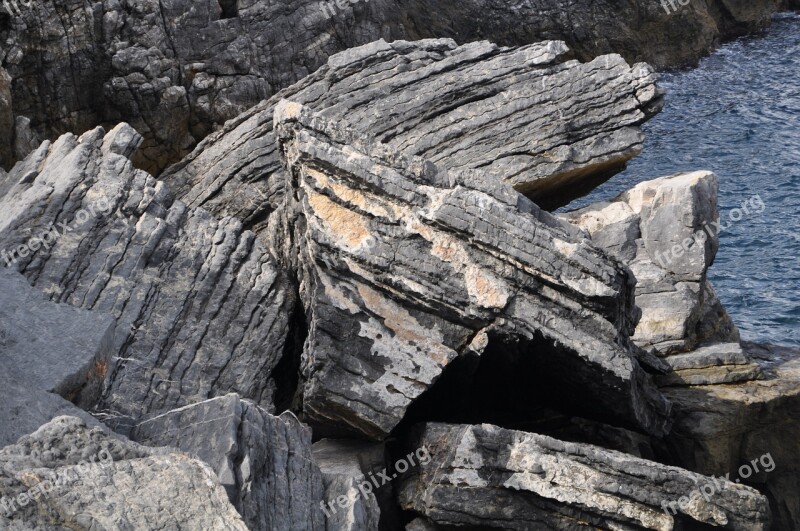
{"x": 286, "y": 374}
{"x": 230, "y": 9}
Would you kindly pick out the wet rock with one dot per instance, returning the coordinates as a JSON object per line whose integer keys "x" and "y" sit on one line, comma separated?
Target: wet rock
{"x": 461, "y": 107}
{"x": 495, "y": 478}
{"x": 68, "y": 476}
{"x": 405, "y": 267}
{"x": 201, "y": 308}
{"x": 51, "y": 356}
{"x": 263, "y": 461}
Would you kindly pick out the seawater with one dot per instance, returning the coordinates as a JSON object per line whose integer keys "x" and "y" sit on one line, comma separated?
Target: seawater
{"x": 738, "y": 115}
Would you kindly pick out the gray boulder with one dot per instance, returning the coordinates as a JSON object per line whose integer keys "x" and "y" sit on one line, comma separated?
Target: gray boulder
{"x": 501, "y": 479}
{"x": 263, "y": 461}
{"x": 462, "y": 107}
{"x": 405, "y": 267}
{"x": 201, "y": 308}
{"x": 68, "y": 476}
{"x": 52, "y": 358}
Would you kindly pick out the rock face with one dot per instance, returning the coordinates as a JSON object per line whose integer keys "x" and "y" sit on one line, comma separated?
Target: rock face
{"x": 495, "y": 478}
{"x": 51, "y": 356}
{"x": 461, "y": 107}
{"x": 748, "y": 430}
{"x": 67, "y": 476}
{"x": 667, "y": 231}
{"x": 201, "y": 308}
{"x": 264, "y": 462}
{"x": 177, "y": 70}
{"x": 405, "y": 267}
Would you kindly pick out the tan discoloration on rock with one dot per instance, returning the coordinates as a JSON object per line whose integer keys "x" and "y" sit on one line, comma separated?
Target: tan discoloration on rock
{"x": 346, "y": 224}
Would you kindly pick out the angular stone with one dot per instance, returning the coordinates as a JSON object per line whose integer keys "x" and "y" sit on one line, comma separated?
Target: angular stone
{"x": 263, "y": 461}
{"x": 201, "y": 307}
{"x": 715, "y": 364}
{"x": 462, "y": 107}
{"x": 404, "y": 267}
{"x": 345, "y": 466}
{"x": 87, "y": 479}
{"x": 747, "y": 429}
{"x": 495, "y": 478}
{"x": 51, "y": 355}
{"x": 665, "y": 230}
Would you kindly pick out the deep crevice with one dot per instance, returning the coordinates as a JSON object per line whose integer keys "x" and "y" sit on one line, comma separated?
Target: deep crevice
{"x": 230, "y": 9}
{"x": 286, "y": 374}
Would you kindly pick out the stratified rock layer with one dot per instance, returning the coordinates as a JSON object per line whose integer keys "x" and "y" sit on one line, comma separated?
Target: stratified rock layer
{"x": 177, "y": 69}
{"x": 463, "y": 107}
{"x": 404, "y": 267}
{"x": 201, "y": 309}
{"x": 494, "y": 478}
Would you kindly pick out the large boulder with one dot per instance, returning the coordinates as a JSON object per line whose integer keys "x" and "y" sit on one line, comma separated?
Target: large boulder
{"x": 52, "y": 356}
{"x": 405, "y": 267}
{"x": 176, "y": 70}
{"x": 462, "y": 107}
{"x": 201, "y": 307}
{"x": 667, "y": 231}
{"x": 66, "y": 475}
{"x": 494, "y": 478}
{"x": 263, "y": 461}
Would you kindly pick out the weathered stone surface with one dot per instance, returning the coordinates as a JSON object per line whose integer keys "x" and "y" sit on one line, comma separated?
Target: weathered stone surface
{"x": 345, "y": 466}
{"x": 176, "y": 70}
{"x": 462, "y": 107}
{"x": 86, "y": 479}
{"x": 404, "y": 267}
{"x": 494, "y": 478}
{"x": 715, "y": 364}
{"x": 263, "y": 461}
{"x": 6, "y": 121}
{"x": 201, "y": 308}
{"x": 665, "y": 231}
{"x": 721, "y": 428}
{"x": 50, "y": 355}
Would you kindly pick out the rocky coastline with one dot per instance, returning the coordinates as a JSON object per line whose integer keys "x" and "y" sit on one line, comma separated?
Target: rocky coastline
{"x": 277, "y": 266}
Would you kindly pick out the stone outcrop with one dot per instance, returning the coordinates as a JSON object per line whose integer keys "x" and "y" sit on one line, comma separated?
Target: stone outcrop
{"x": 461, "y": 107}
{"x": 201, "y": 308}
{"x": 719, "y": 429}
{"x": 667, "y": 231}
{"x": 405, "y": 267}
{"x": 263, "y": 461}
{"x": 53, "y": 358}
{"x": 494, "y": 478}
{"x": 68, "y": 476}
{"x": 178, "y": 70}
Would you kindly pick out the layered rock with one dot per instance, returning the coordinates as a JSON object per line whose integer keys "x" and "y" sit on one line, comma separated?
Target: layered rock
{"x": 177, "y": 70}
{"x": 405, "y": 267}
{"x": 68, "y": 476}
{"x": 494, "y": 478}
{"x": 201, "y": 308}
{"x": 477, "y": 106}
{"x": 748, "y": 430}
{"x": 52, "y": 356}
{"x": 263, "y": 461}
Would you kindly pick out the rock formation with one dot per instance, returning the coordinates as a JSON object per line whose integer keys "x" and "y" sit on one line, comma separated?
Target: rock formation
{"x": 360, "y": 268}
{"x": 177, "y": 70}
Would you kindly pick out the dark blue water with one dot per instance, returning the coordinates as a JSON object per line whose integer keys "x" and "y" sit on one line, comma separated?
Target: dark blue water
{"x": 738, "y": 115}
